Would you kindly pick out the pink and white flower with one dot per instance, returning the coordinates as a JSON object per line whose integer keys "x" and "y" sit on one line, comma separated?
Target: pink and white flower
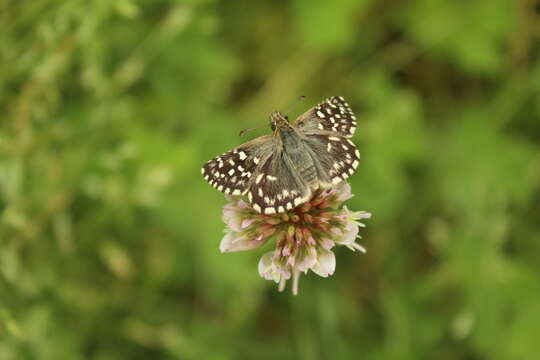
{"x": 304, "y": 237}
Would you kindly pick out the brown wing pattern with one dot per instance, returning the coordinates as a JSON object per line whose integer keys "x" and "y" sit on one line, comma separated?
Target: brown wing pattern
{"x": 332, "y": 116}
{"x": 232, "y": 171}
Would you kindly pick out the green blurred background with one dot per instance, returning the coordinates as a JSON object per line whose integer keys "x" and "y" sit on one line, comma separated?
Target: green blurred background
{"x": 109, "y": 236}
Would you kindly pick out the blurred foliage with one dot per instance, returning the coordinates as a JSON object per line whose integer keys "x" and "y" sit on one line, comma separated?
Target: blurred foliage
{"x": 109, "y": 236}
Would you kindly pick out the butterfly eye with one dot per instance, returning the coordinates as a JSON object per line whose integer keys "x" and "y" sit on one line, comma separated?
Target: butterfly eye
{"x": 274, "y": 120}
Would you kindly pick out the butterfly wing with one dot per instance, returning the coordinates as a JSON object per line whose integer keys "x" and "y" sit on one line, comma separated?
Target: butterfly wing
{"x": 325, "y": 129}
{"x": 232, "y": 171}
{"x": 332, "y": 116}
{"x": 335, "y": 158}
{"x": 263, "y": 171}
{"x": 276, "y": 186}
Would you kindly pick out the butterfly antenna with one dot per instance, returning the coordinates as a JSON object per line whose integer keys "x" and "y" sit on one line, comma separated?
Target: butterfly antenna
{"x": 242, "y": 133}
{"x": 300, "y": 99}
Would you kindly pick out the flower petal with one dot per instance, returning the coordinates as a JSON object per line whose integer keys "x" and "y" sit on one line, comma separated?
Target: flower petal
{"x": 344, "y": 192}
{"x": 326, "y": 263}
{"x": 246, "y": 223}
{"x": 231, "y": 217}
{"x": 326, "y": 243}
{"x": 237, "y": 241}
{"x": 306, "y": 260}
{"x": 266, "y": 269}
{"x": 350, "y": 234}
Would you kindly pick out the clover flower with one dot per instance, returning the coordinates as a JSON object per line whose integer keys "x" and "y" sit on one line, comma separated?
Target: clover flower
{"x": 304, "y": 236}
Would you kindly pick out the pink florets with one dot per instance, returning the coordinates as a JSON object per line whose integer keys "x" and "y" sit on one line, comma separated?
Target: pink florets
{"x": 303, "y": 236}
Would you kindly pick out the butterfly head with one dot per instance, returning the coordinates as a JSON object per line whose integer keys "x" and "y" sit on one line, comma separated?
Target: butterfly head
{"x": 278, "y": 121}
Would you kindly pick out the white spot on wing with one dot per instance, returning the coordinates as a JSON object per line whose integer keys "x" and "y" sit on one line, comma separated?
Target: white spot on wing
{"x": 269, "y": 210}
{"x": 242, "y": 155}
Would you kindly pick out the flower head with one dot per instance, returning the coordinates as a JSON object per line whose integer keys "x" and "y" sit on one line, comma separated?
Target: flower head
{"x": 304, "y": 237}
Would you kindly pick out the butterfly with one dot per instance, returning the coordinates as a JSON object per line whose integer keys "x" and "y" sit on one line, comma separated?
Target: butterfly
{"x": 280, "y": 172}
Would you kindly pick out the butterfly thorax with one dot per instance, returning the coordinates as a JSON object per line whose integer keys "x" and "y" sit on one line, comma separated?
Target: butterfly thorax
{"x": 282, "y": 128}
{"x": 295, "y": 149}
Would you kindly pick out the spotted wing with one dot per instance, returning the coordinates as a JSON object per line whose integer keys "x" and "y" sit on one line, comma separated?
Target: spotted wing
{"x": 332, "y": 116}
{"x": 232, "y": 171}
{"x": 335, "y": 157}
{"x": 276, "y": 186}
